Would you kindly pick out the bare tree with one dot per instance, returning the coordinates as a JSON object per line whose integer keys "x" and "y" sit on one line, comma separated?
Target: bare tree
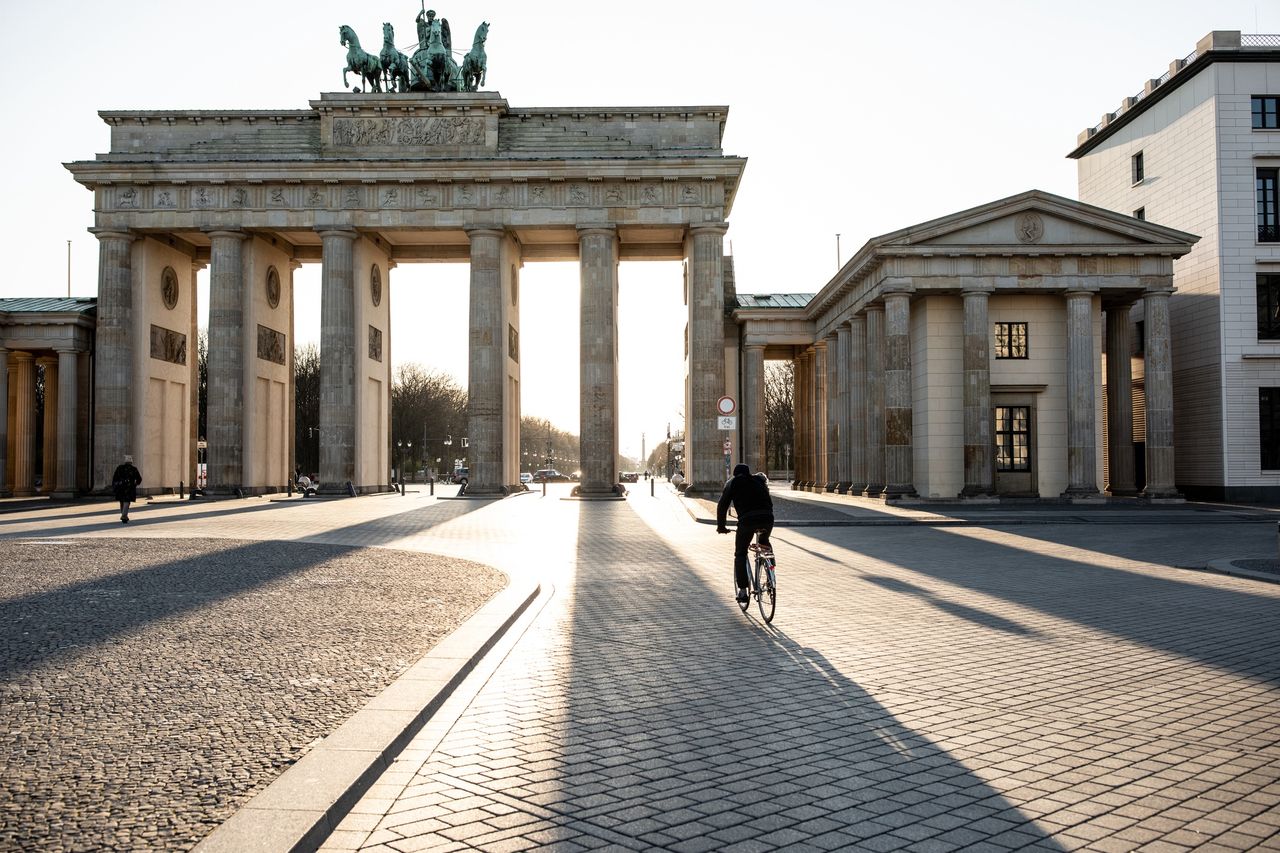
{"x": 543, "y": 445}
{"x": 306, "y": 390}
{"x": 428, "y": 408}
{"x": 779, "y": 414}
{"x": 202, "y": 383}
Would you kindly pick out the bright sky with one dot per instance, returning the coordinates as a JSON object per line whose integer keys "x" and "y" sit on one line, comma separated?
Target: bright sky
{"x": 857, "y": 118}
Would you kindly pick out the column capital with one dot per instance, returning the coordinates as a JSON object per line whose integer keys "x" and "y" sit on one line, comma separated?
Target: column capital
{"x": 697, "y": 228}
{"x": 21, "y": 355}
{"x": 874, "y": 307}
{"x": 820, "y": 344}
{"x": 474, "y": 231}
{"x": 60, "y": 350}
{"x": 1159, "y": 290}
{"x": 605, "y": 230}
{"x": 750, "y": 347}
{"x": 897, "y": 286}
{"x": 971, "y": 286}
{"x": 1080, "y": 292}
{"x": 226, "y": 232}
{"x": 344, "y": 231}
{"x": 114, "y": 234}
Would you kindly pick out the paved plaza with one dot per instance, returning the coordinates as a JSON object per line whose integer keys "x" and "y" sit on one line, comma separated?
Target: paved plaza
{"x": 1046, "y": 678}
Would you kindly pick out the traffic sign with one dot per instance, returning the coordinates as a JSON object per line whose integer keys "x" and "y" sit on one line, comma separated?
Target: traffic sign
{"x": 728, "y": 421}
{"x": 726, "y": 405}
{"x": 728, "y": 446}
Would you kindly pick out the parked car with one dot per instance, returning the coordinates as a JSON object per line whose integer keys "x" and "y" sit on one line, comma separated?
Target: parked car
{"x": 525, "y": 478}
{"x": 549, "y": 475}
{"x": 460, "y": 475}
{"x": 629, "y": 477}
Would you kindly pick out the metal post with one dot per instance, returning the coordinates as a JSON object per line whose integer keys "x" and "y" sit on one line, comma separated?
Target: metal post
{"x": 432, "y": 481}
{"x": 544, "y": 488}
{"x": 181, "y": 486}
{"x": 652, "y": 480}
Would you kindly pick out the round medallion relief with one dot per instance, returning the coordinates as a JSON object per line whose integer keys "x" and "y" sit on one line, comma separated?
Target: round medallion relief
{"x": 273, "y": 287}
{"x": 1030, "y": 228}
{"x": 169, "y": 288}
{"x": 375, "y": 285}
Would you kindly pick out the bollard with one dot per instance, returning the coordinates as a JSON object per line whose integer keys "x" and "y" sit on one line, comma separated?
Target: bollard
{"x": 544, "y": 488}
{"x": 651, "y": 482}
{"x": 290, "y": 488}
{"x": 182, "y": 493}
{"x": 402, "y": 488}
{"x": 433, "y": 486}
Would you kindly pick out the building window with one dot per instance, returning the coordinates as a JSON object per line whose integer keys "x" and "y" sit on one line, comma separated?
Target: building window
{"x": 1269, "y": 428}
{"x": 1138, "y": 169}
{"x": 1264, "y": 112}
{"x": 1011, "y": 340}
{"x": 1140, "y": 213}
{"x": 1266, "y": 194}
{"x": 1013, "y": 438}
{"x": 1269, "y": 306}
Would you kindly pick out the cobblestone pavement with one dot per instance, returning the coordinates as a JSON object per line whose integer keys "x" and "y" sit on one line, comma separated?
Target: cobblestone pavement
{"x": 150, "y": 686}
{"x": 1050, "y": 687}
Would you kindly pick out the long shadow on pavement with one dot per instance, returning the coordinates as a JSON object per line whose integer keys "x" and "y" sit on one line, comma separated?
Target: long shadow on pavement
{"x": 51, "y": 624}
{"x": 1228, "y": 629}
{"x": 685, "y": 720}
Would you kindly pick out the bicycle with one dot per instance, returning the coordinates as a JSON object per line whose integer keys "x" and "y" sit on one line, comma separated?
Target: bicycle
{"x": 764, "y": 582}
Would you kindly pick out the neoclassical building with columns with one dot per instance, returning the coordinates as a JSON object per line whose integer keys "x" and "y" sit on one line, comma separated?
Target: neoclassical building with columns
{"x": 361, "y": 183}
{"x": 52, "y": 339}
{"x": 975, "y": 355}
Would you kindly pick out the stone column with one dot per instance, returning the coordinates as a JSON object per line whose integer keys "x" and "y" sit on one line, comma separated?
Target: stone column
{"x": 797, "y": 420}
{"x": 49, "y": 430}
{"x": 753, "y": 407}
{"x": 979, "y": 472}
{"x": 337, "y": 360}
{"x": 832, "y": 426}
{"x": 856, "y": 419}
{"x": 1159, "y": 387}
{"x": 875, "y": 469}
{"x": 820, "y": 406}
{"x": 24, "y": 445}
{"x": 706, "y": 354}
{"x": 1081, "y": 425}
{"x": 193, "y": 399}
{"x": 68, "y": 416}
{"x": 11, "y": 427}
{"x": 899, "y": 456}
{"x": 841, "y": 365}
{"x": 226, "y": 391}
{"x": 4, "y": 423}
{"x": 598, "y": 401}
{"x": 487, "y": 350}
{"x": 113, "y": 355}
{"x": 1119, "y": 403}
{"x": 810, "y": 418}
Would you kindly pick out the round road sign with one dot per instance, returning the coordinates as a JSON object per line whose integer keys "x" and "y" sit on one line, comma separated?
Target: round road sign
{"x": 726, "y": 405}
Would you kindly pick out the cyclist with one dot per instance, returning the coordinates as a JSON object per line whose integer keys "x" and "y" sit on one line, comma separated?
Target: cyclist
{"x": 750, "y": 498}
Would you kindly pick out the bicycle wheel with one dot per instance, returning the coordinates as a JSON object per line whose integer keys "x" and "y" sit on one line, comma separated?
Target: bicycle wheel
{"x": 766, "y": 588}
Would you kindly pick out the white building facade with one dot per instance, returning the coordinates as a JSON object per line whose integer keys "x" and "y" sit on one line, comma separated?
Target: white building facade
{"x": 1198, "y": 149}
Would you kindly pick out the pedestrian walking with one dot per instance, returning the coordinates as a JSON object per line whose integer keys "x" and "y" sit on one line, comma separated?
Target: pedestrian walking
{"x": 124, "y": 483}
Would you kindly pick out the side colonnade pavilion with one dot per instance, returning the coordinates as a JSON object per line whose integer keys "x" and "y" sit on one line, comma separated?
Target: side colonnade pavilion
{"x": 964, "y": 358}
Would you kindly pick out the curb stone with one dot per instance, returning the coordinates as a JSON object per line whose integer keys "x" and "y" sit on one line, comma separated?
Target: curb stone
{"x": 1227, "y": 567}
{"x": 301, "y": 808}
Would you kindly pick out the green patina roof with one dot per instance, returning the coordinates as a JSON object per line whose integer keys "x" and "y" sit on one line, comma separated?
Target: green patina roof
{"x": 49, "y": 304}
{"x": 774, "y": 300}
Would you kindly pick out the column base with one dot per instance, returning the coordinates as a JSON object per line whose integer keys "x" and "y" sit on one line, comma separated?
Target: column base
{"x": 1162, "y": 496}
{"x": 873, "y": 490}
{"x": 973, "y": 490}
{"x": 899, "y": 491}
{"x": 842, "y": 488}
{"x": 599, "y": 493}
{"x": 1083, "y": 496}
{"x": 831, "y": 487}
{"x": 63, "y": 495}
{"x": 1123, "y": 492}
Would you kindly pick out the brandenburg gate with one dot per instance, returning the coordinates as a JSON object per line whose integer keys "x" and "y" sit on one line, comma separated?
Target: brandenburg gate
{"x": 361, "y": 183}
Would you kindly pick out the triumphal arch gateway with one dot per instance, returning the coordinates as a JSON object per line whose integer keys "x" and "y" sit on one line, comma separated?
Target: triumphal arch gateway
{"x": 361, "y": 183}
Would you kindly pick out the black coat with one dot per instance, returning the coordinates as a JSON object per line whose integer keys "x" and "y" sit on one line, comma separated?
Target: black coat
{"x": 124, "y": 482}
{"x": 749, "y": 495}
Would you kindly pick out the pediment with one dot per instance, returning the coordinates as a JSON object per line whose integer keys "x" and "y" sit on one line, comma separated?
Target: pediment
{"x": 1036, "y": 219}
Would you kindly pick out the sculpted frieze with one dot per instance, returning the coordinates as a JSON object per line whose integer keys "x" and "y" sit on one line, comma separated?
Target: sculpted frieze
{"x": 270, "y": 344}
{"x": 383, "y": 132}
{"x": 168, "y": 345}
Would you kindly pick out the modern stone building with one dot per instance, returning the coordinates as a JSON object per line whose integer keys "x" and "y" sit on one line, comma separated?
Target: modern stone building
{"x": 1198, "y": 148}
{"x": 963, "y": 357}
{"x": 360, "y": 183}
{"x": 52, "y": 339}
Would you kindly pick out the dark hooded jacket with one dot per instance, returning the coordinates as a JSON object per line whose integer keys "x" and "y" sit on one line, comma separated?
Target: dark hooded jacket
{"x": 749, "y": 496}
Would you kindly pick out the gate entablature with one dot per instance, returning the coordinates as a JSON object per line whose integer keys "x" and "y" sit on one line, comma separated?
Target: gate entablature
{"x": 396, "y": 164}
